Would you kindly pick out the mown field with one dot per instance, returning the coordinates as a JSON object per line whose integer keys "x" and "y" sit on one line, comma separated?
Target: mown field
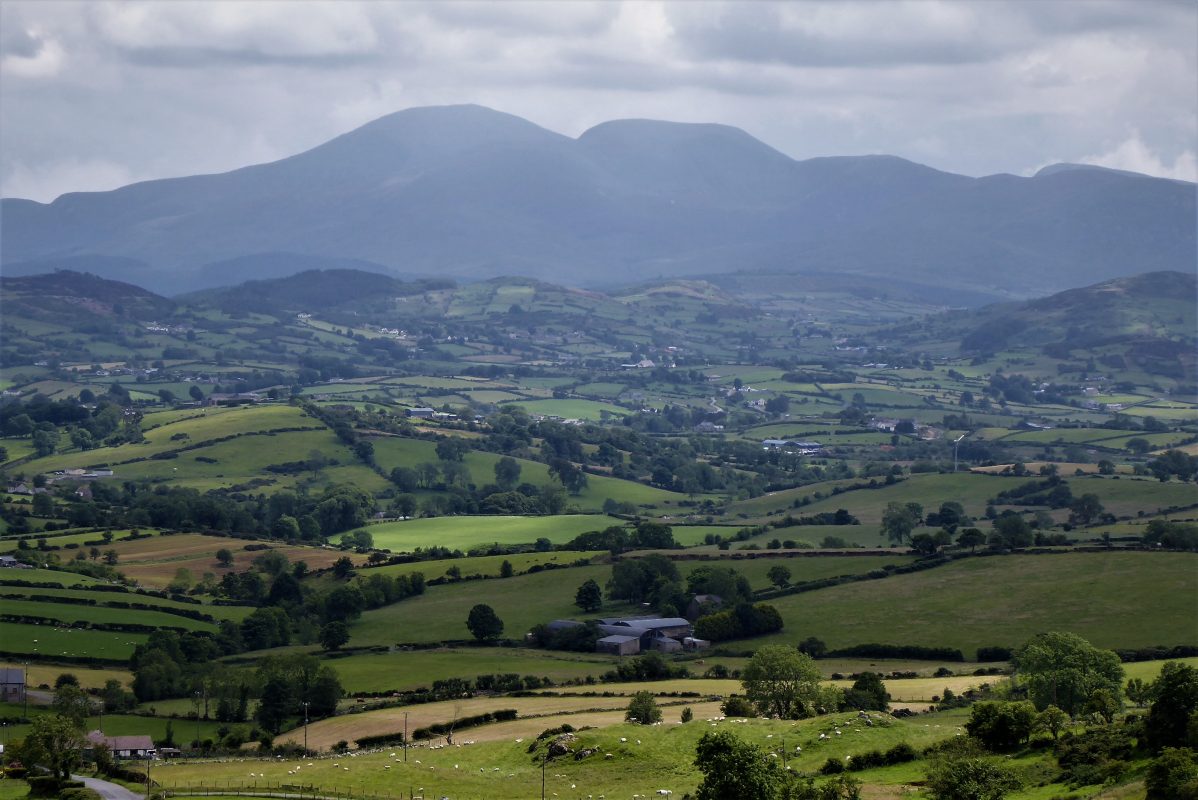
{"x": 465, "y": 532}
{"x": 89, "y": 677}
{"x": 154, "y": 562}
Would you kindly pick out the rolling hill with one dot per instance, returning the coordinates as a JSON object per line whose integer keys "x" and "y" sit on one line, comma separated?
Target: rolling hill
{"x": 1144, "y": 321}
{"x": 464, "y": 191}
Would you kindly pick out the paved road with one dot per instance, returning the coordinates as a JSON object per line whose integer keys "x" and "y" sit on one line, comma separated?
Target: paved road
{"x": 109, "y": 791}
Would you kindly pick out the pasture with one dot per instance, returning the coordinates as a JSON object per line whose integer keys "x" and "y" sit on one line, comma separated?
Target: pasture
{"x": 1146, "y": 599}
{"x": 440, "y": 613}
{"x": 394, "y": 451}
{"x": 185, "y": 431}
{"x": 497, "y": 765}
{"x": 49, "y": 641}
{"x": 71, "y": 614}
{"x": 412, "y": 669}
{"x": 89, "y": 677}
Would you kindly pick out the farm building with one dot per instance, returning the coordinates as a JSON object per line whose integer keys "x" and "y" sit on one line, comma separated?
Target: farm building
{"x": 236, "y": 398}
{"x": 12, "y": 685}
{"x": 796, "y": 445}
{"x": 702, "y": 604}
{"x": 624, "y": 636}
{"x": 10, "y": 562}
{"x": 123, "y": 746}
{"x": 419, "y": 413}
{"x": 619, "y": 645}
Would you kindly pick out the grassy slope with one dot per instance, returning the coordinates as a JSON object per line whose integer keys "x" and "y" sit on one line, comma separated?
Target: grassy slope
{"x": 375, "y": 672}
{"x": 1112, "y": 599}
{"x": 465, "y": 532}
{"x": 1123, "y": 496}
{"x": 649, "y": 759}
{"x": 391, "y": 452}
{"x": 440, "y": 613}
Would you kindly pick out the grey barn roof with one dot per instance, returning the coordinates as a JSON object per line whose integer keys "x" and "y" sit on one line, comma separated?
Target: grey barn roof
{"x": 648, "y": 624}
{"x": 12, "y": 675}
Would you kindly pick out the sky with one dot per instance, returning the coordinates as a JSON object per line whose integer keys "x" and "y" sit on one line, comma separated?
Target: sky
{"x": 95, "y": 95}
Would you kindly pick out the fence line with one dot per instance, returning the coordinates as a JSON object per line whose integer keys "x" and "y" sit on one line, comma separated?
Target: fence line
{"x": 280, "y": 790}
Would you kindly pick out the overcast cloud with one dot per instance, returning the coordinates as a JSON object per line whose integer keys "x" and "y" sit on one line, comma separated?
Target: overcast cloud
{"x": 94, "y": 95}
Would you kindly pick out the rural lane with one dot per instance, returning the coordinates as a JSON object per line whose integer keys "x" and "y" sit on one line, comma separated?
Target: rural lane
{"x": 109, "y": 791}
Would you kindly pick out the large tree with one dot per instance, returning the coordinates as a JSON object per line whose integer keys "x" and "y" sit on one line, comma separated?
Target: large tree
{"x": 484, "y": 623}
{"x": 507, "y": 472}
{"x": 1064, "y": 670}
{"x": 589, "y": 596}
{"x": 780, "y": 681}
{"x": 900, "y": 519}
{"x": 55, "y": 742}
{"x": 1174, "y": 703}
{"x": 643, "y": 709}
{"x": 733, "y": 769}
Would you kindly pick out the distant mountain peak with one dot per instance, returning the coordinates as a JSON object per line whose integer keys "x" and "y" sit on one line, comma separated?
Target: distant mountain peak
{"x": 1056, "y": 169}
{"x": 469, "y": 192}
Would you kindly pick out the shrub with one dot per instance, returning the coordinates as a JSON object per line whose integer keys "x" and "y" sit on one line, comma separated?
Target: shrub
{"x": 738, "y": 706}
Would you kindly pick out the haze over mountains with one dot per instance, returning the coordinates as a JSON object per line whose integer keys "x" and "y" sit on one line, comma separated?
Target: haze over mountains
{"x": 470, "y": 193}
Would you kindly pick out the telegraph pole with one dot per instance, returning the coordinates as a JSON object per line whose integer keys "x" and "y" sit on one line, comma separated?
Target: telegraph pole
{"x": 305, "y": 705}
{"x": 405, "y": 737}
{"x": 25, "y": 692}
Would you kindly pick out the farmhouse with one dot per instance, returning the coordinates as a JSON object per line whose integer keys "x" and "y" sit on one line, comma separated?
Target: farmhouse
{"x": 123, "y": 746}
{"x": 12, "y": 685}
{"x": 419, "y": 413}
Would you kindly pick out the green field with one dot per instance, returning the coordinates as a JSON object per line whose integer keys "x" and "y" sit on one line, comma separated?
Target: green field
{"x": 1112, "y": 599}
{"x": 196, "y": 429}
{"x": 440, "y": 613}
{"x": 643, "y": 760}
{"x": 592, "y": 410}
{"x": 465, "y": 532}
{"x": 47, "y": 641}
{"x": 215, "y": 611}
{"x": 47, "y": 576}
{"x": 70, "y": 613}
{"x": 391, "y": 452}
{"x": 376, "y": 672}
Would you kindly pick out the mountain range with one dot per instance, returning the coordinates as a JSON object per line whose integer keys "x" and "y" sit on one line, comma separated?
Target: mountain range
{"x": 470, "y": 193}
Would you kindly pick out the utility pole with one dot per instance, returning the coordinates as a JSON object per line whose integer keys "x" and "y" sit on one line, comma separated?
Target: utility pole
{"x": 198, "y": 720}
{"x": 305, "y": 704}
{"x": 25, "y": 693}
{"x": 544, "y": 761}
{"x": 405, "y": 737}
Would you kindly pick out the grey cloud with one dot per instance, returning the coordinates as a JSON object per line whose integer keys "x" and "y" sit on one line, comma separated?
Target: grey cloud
{"x": 158, "y": 89}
